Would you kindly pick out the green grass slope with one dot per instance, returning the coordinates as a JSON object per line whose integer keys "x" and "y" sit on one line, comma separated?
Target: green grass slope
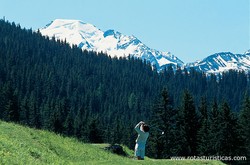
{"x": 22, "y": 145}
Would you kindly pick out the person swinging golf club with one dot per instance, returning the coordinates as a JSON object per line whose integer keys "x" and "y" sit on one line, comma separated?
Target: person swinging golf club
{"x": 143, "y": 132}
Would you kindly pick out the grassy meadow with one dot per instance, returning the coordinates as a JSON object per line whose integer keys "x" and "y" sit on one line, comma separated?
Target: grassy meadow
{"x": 22, "y": 145}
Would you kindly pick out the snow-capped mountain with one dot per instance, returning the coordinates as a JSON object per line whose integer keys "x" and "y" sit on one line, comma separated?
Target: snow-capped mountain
{"x": 89, "y": 37}
{"x": 221, "y": 62}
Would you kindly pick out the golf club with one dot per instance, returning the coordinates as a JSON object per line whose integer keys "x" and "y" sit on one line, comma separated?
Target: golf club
{"x": 154, "y": 127}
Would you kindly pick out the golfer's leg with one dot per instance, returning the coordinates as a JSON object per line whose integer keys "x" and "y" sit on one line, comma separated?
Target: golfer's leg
{"x": 142, "y": 153}
{"x": 137, "y": 152}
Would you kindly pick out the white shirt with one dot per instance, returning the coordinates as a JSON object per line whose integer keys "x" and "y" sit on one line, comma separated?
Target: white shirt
{"x": 142, "y": 136}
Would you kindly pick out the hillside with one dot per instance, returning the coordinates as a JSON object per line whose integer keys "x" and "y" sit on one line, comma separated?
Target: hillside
{"x": 22, "y": 145}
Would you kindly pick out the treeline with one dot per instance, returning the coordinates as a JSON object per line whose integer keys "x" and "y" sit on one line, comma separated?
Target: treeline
{"x": 47, "y": 84}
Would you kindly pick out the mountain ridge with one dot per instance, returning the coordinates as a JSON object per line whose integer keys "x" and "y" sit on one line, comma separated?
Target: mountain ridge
{"x": 114, "y": 43}
{"x": 223, "y": 61}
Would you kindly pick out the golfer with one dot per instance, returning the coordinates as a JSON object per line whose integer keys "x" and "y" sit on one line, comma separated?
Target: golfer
{"x": 142, "y": 130}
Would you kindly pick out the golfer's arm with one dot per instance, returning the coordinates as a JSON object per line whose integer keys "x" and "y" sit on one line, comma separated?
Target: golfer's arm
{"x": 137, "y": 128}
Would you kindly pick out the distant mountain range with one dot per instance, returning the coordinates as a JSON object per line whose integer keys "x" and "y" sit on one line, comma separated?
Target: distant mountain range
{"x": 221, "y": 62}
{"x": 87, "y": 36}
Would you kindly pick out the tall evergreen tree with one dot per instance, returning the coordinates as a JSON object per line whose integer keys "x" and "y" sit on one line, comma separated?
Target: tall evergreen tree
{"x": 34, "y": 114}
{"x": 95, "y": 132}
{"x": 69, "y": 124}
{"x": 228, "y": 137}
{"x": 24, "y": 111}
{"x": 11, "y": 109}
{"x": 203, "y": 138}
{"x": 56, "y": 121}
{"x": 163, "y": 124}
{"x": 214, "y": 120}
{"x": 187, "y": 124}
{"x": 244, "y": 119}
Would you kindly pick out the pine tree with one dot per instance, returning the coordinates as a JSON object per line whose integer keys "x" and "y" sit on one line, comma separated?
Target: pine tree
{"x": 214, "y": 120}
{"x": 11, "y": 109}
{"x": 24, "y": 111}
{"x": 69, "y": 124}
{"x": 95, "y": 132}
{"x": 187, "y": 124}
{"x": 78, "y": 124}
{"x": 179, "y": 135}
{"x": 203, "y": 132}
{"x": 34, "y": 113}
{"x": 228, "y": 137}
{"x": 244, "y": 123}
{"x": 117, "y": 131}
{"x": 56, "y": 122}
{"x": 163, "y": 123}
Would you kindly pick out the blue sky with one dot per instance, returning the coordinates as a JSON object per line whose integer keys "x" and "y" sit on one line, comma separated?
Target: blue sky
{"x": 190, "y": 29}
